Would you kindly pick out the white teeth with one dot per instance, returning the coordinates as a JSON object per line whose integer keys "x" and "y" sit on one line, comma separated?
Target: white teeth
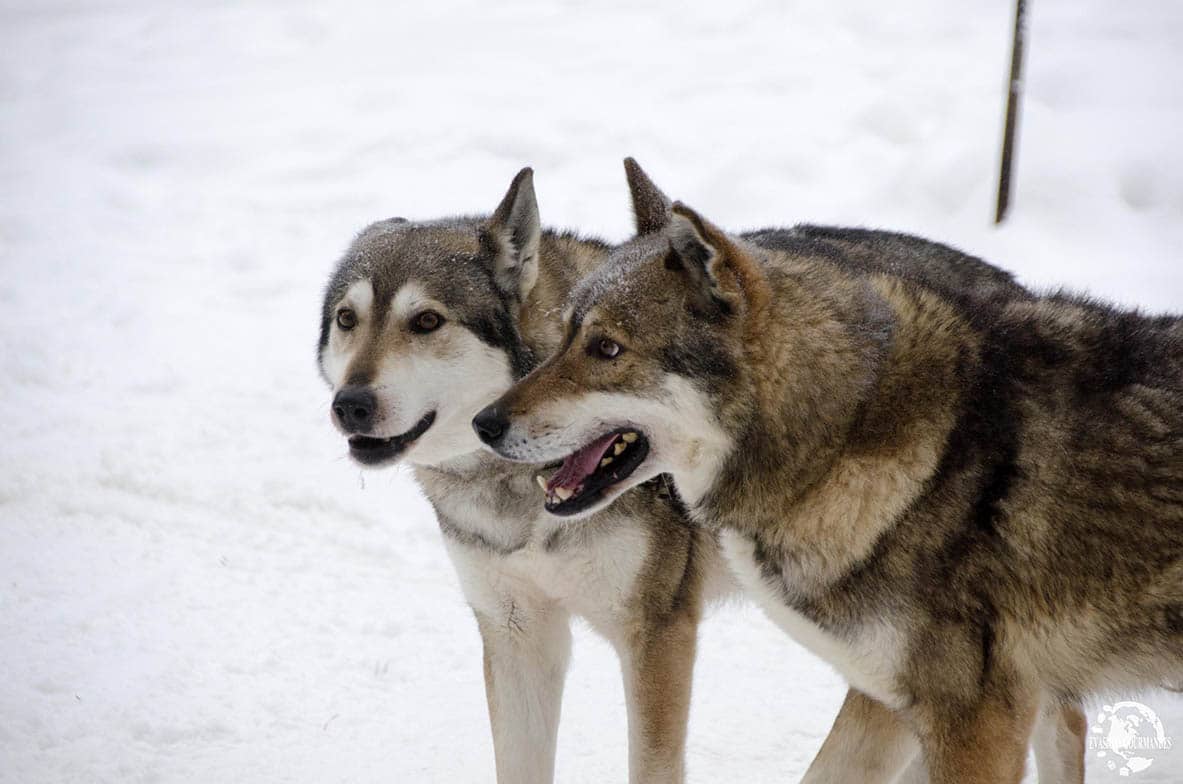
{"x": 629, "y": 437}
{"x": 563, "y": 493}
{"x": 605, "y": 461}
{"x": 541, "y": 481}
{"x": 620, "y": 448}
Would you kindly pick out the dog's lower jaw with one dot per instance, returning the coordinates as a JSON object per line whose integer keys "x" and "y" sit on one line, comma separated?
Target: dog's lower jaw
{"x": 608, "y": 496}
{"x": 601, "y": 503}
{"x": 373, "y": 452}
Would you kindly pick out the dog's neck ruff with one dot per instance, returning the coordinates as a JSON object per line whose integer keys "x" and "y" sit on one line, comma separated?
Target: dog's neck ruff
{"x": 800, "y": 483}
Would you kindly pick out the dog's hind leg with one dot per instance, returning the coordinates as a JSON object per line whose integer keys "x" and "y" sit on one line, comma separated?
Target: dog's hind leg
{"x": 658, "y": 666}
{"x": 526, "y": 653}
{"x": 868, "y": 743}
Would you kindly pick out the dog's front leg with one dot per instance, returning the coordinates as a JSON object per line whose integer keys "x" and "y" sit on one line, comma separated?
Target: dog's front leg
{"x": 983, "y": 741}
{"x": 868, "y": 743}
{"x": 527, "y": 647}
{"x": 658, "y": 665}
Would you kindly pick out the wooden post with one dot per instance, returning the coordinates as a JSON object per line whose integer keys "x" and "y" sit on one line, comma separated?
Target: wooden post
{"x": 1012, "y": 109}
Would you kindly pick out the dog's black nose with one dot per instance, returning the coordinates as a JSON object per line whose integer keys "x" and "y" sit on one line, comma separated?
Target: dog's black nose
{"x": 354, "y": 408}
{"x": 490, "y": 424}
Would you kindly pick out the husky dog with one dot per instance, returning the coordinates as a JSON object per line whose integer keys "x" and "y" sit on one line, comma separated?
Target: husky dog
{"x": 422, "y": 325}
{"x": 970, "y": 504}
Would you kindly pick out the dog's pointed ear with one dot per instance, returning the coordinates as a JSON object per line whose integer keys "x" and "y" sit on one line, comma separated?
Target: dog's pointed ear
{"x": 651, "y": 207}
{"x": 515, "y": 233}
{"x": 723, "y": 274}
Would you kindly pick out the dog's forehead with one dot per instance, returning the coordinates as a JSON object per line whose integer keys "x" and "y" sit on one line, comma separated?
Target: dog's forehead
{"x": 622, "y": 285}
{"x": 421, "y": 239}
{"x": 410, "y": 296}
{"x": 444, "y": 258}
{"x": 424, "y": 251}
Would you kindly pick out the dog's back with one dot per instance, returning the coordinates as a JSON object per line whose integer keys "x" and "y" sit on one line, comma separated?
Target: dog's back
{"x": 945, "y": 270}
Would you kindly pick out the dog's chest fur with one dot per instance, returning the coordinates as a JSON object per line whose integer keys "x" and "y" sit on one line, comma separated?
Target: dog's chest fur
{"x": 508, "y": 551}
{"x": 869, "y": 656}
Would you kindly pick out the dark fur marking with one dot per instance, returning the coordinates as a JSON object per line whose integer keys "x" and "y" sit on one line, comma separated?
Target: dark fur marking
{"x": 699, "y": 359}
{"x": 1123, "y": 353}
{"x": 723, "y": 307}
{"x": 325, "y": 327}
{"x": 695, "y": 253}
{"x": 360, "y": 377}
{"x": 1173, "y": 617}
{"x": 681, "y": 600}
{"x": 770, "y": 566}
{"x": 987, "y": 635}
{"x": 988, "y": 508}
{"x": 501, "y": 332}
{"x": 663, "y": 484}
{"x": 983, "y": 448}
{"x": 772, "y": 570}
{"x": 987, "y": 434}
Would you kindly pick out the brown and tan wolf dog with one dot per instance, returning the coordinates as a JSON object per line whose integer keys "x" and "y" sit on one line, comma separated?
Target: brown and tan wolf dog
{"x": 969, "y": 502}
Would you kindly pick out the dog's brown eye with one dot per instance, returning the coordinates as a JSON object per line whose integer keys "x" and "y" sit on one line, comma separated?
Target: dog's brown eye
{"x": 346, "y": 319}
{"x": 427, "y": 321}
{"x": 607, "y": 348}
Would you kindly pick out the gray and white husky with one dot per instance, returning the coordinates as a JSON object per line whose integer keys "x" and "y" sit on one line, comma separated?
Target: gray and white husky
{"x": 423, "y": 324}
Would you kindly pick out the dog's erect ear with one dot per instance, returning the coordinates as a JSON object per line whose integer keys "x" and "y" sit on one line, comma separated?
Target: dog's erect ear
{"x": 515, "y": 232}
{"x": 651, "y": 207}
{"x": 726, "y": 279}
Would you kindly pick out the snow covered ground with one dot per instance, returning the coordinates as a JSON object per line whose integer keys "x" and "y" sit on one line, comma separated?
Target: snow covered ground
{"x": 195, "y": 584}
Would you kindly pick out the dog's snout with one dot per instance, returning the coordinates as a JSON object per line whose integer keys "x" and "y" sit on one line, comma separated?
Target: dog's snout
{"x": 490, "y": 424}
{"x": 354, "y": 408}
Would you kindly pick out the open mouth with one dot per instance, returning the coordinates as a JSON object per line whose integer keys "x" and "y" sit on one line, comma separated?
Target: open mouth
{"x": 372, "y": 451}
{"x": 592, "y": 470}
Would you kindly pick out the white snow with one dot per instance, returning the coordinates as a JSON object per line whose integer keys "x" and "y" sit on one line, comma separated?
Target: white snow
{"x": 195, "y": 584}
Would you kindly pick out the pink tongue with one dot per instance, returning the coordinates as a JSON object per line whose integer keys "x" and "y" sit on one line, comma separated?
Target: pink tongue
{"x": 579, "y": 465}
